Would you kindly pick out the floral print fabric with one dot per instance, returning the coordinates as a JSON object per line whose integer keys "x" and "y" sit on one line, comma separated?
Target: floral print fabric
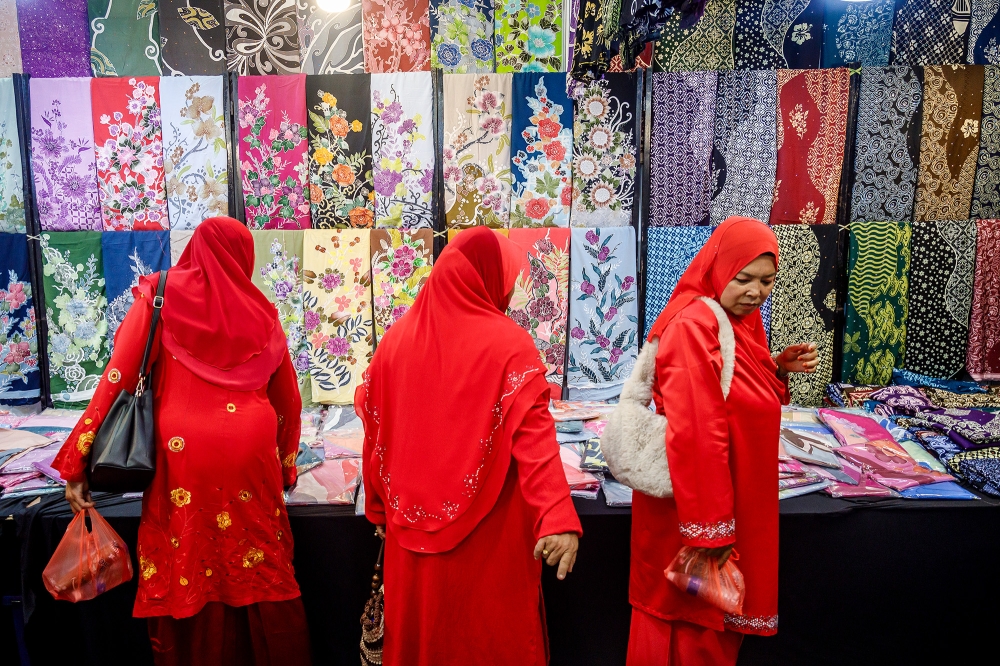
{"x": 603, "y": 318}
{"x": 706, "y": 46}
{"x": 929, "y": 32}
{"x": 983, "y": 357}
{"x": 55, "y": 37}
{"x": 11, "y": 180}
{"x": 195, "y": 155}
{"x": 193, "y": 37}
{"x": 272, "y": 153}
{"x": 129, "y": 144}
{"x": 63, "y": 162}
{"x": 529, "y": 36}
{"x": 669, "y": 252}
{"x": 127, "y": 256}
{"x": 984, "y": 33}
{"x": 477, "y": 178}
{"x": 463, "y": 36}
{"x": 604, "y": 152}
{"x": 401, "y": 264}
{"x": 858, "y": 32}
{"x": 19, "y": 377}
{"x": 986, "y": 193}
{"x": 124, "y": 37}
{"x": 397, "y": 35}
{"x": 542, "y": 148}
{"x": 337, "y": 313}
{"x": 10, "y": 40}
{"x": 341, "y": 191}
{"x": 776, "y": 34}
{"x": 262, "y": 37}
{"x": 330, "y": 42}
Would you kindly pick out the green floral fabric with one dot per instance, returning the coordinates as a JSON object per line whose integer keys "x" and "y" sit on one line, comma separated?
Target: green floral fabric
{"x": 529, "y": 36}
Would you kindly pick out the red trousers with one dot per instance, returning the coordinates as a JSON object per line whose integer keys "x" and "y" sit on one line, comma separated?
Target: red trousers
{"x": 269, "y": 633}
{"x": 656, "y": 642}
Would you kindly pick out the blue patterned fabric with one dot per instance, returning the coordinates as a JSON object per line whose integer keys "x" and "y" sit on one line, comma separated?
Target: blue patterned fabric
{"x": 908, "y": 378}
{"x": 857, "y": 32}
{"x": 669, "y": 251}
{"x": 979, "y": 468}
{"x": 984, "y": 33}
{"x": 19, "y": 377}
{"x": 127, "y": 256}
{"x": 765, "y": 315}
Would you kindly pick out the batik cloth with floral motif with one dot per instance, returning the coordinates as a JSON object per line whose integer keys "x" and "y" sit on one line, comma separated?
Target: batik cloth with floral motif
{"x": 272, "y": 153}
{"x": 11, "y": 179}
{"x": 401, "y": 264}
{"x": 462, "y": 36}
{"x": 669, "y": 252}
{"x": 337, "y": 311}
{"x": 262, "y": 37}
{"x": 397, "y": 35}
{"x": 984, "y": 33}
{"x": 127, "y": 256}
{"x": 193, "y": 37}
{"x": 983, "y": 357}
{"x": 19, "y": 376}
{"x": 778, "y": 35}
{"x": 929, "y": 32}
{"x": 330, "y": 41}
{"x": 55, "y": 37}
{"x": 706, "y": 46}
{"x": 857, "y": 32}
{"x": 529, "y": 36}
{"x": 128, "y": 141}
{"x": 124, "y": 37}
{"x": 604, "y": 313}
{"x": 75, "y": 306}
{"x": 986, "y": 194}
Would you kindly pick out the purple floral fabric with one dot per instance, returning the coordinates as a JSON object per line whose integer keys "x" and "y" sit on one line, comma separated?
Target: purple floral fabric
{"x": 969, "y": 428}
{"x": 55, "y": 37}
{"x": 903, "y": 399}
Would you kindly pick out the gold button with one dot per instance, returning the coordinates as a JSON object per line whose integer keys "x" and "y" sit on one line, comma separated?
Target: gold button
{"x": 176, "y": 444}
{"x": 208, "y": 573}
{"x": 230, "y": 408}
{"x": 277, "y": 513}
{"x": 175, "y": 542}
{"x": 184, "y": 581}
{"x": 88, "y": 421}
{"x": 245, "y": 495}
{"x": 114, "y": 376}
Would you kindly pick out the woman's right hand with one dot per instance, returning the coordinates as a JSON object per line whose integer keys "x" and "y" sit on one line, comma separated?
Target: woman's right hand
{"x": 721, "y": 555}
{"x": 78, "y": 495}
{"x": 558, "y": 549}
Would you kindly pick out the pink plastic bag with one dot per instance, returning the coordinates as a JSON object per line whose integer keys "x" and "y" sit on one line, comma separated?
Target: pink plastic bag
{"x": 87, "y": 562}
{"x": 698, "y": 574}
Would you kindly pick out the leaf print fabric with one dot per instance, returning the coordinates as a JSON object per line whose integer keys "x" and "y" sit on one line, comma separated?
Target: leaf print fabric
{"x": 604, "y": 152}
{"x": 681, "y": 147}
{"x": 195, "y": 155}
{"x": 986, "y": 193}
{"x": 55, "y": 37}
{"x": 262, "y": 37}
{"x": 812, "y": 130}
{"x": 983, "y": 357}
{"x": 858, "y": 32}
{"x": 462, "y": 36}
{"x": 19, "y": 376}
{"x": 984, "y": 33}
{"x": 949, "y": 142}
{"x": 929, "y": 32}
{"x": 330, "y": 42}
{"x": 124, "y": 37}
{"x": 542, "y": 149}
{"x": 397, "y": 35}
{"x": 75, "y": 305}
{"x": 877, "y": 301}
{"x": 193, "y": 37}
{"x": 775, "y": 34}
{"x": 11, "y": 180}
{"x": 403, "y": 150}
{"x": 604, "y": 322}
{"x": 942, "y": 267}
{"x": 669, "y": 252}
{"x": 273, "y": 160}
{"x": 591, "y": 51}
{"x": 708, "y": 45}
{"x": 529, "y": 35}
{"x": 127, "y": 256}
{"x": 540, "y": 304}
{"x": 401, "y": 263}
{"x": 10, "y": 40}
{"x": 129, "y": 144}
{"x": 341, "y": 191}
{"x": 337, "y": 311}
{"x": 477, "y": 178}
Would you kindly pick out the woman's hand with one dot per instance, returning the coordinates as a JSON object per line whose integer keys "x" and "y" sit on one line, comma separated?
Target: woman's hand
{"x": 720, "y": 554}
{"x": 380, "y": 531}
{"x": 802, "y": 357}
{"x": 78, "y": 495}
{"x": 558, "y": 549}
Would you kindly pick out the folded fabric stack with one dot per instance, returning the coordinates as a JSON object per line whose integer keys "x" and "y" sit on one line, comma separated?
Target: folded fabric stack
{"x": 579, "y": 425}
{"x": 329, "y": 459}
{"x": 28, "y": 449}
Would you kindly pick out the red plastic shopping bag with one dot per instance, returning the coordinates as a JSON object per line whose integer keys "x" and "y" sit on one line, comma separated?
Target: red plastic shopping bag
{"x": 700, "y": 575}
{"x": 90, "y": 559}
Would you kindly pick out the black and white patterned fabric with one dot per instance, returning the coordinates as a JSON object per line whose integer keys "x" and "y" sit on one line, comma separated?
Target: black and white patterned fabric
{"x": 930, "y": 32}
{"x": 986, "y": 196}
{"x": 778, "y": 34}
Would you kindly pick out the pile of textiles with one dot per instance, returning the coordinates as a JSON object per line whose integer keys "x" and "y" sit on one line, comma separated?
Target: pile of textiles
{"x": 329, "y": 459}
{"x": 579, "y": 425}
{"x": 28, "y": 445}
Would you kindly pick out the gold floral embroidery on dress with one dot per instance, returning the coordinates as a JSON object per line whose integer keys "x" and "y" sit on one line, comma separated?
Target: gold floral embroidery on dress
{"x": 245, "y": 496}
{"x": 223, "y": 520}
{"x": 114, "y": 376}
{"x": 176, "y": 444}
{"x": 147, "y": 568}
{"x": 175, "y": 542}
{"x": 84, "y": 442}
{"x": 231, "y": 408}
{"x": 180, "y": 497}
{"x": 289, "y": 460}
{"x": 253, "y": 557}
{"x": 88, "y": 421}
{"x": 184, "y": 581}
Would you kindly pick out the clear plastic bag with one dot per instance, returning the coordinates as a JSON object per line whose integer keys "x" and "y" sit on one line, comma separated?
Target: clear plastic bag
{"x": 90, "y": 559}
{"x": 699, "y": 574}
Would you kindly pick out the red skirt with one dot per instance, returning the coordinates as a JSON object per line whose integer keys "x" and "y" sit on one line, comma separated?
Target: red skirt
{"x": 656, "y": 642}
{"x": 268, "y": 633}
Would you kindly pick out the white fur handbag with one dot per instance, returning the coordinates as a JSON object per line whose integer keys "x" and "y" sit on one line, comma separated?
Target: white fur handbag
{"x": 635, "y": 439}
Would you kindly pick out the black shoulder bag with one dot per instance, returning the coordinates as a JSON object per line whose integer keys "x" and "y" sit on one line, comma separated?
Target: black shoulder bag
{"x": 123, "y": 457}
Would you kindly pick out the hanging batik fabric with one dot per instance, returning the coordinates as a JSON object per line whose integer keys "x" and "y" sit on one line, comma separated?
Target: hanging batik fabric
{"x": 529, "y": 35}
{"x": 983, "y": 357}
{"x": 341, "y": 192}
{"x": 949, "y": 142}
{"x": 591, "y": 54}
{"x": 192, "y": 37}
{"x": 330, "y": 41}
{"x": 124, "y": 38}
{"x": 401, "y": 263}
{"x": 706, "y": 46}
{"x": 62, "y": 155}
{"x": 403, "y": 150}
{"x": 195, "y": 156}
{"x": 273, "y": 159}
{"x": 681, "y": 147}
{"x": 463, "y": 36}
{"x": 984, "y": 33}
{"x": 929, "y": 32}
{"x": 129, "y": 144}
{"x": 888, "y": 144}
{"x": 55, "y": 37}
{"x": 10, "y": 40}
{"x": 877, "y": 301}
{"x": 540, "y": 304}
{"x": 178, "y": 241}
{"x": 75, "y": 305}
{"x": 669, "y": 252}
{"x": 804, "y": 302}
{"x": 11, "y": 180}
{"x": 337, "y": 312}
{"x": 942, "y": 265}
{"x": 744, "y": 156}
{"x": 262, "y": 37}
{"x": 776, "y": 34}
{"x": 986, "y": 193}
{"x": 127, "y": 256}
{"x": 19, "y": 379}
{"x": 397, "y": 35}
{"x": 604, "y": 152}
{"x": 812, "y": 129}
{"x": 604, "y": 315}
{"x": 633, "y": 30}
{"x": 477, "y": 178}
{"x": 542, "y": 149}
{"x": 858, "y": 32}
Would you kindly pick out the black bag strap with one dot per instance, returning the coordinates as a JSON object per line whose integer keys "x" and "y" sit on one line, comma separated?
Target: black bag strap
{"x": 157, "y": 306}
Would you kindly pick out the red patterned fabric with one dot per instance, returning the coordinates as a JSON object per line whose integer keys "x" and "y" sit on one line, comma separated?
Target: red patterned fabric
{"x": 812, "y": 126}
{"x": 397, "y": 35}
{"x": 983, "y": 357}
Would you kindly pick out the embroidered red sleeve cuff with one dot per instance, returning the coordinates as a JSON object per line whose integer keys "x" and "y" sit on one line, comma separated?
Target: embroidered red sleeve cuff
{"x": 708, "y": 535}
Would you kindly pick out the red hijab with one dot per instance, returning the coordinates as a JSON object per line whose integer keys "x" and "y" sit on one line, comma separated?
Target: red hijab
{"x": 216, "y": 322}
{"x": 448, "y": 386}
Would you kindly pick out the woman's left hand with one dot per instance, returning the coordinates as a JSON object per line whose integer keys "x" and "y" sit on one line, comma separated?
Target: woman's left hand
{"x": 802, "y": 357}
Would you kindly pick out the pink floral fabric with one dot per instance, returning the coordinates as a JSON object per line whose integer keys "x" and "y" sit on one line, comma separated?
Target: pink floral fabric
{"x": 397, "y": 35}
{"x": 983, "y": 354}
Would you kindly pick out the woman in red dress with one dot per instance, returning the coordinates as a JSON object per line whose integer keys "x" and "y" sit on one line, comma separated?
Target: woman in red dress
{"x": 722, "y": 454}
{"x": 215, "y": 550}
{"x": 463, "y": 471}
